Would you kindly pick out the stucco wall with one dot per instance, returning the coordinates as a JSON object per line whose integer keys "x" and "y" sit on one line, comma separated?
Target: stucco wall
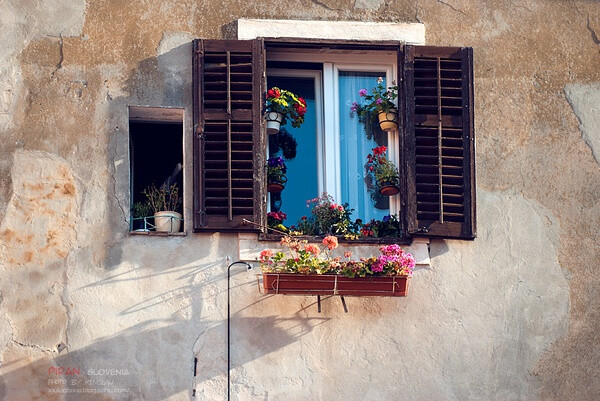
{"x": 512, "y": 315}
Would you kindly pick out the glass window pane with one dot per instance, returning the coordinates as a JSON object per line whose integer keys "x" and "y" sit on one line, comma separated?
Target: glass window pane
{"x": 355, "y": 145}
{"x": 302, "y": 182}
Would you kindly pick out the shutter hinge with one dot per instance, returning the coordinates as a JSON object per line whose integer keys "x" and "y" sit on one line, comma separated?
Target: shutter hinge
{"x": 422, "y": 230}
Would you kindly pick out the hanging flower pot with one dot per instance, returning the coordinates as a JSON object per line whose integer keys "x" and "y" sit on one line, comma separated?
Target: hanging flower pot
{"x": 388, "y": 121}
{"x": 275, "y": 187}
{"x": 379, "y": 105}
{"x": 274, "y": 119}
{"x": 276, "y": 178}
{"x": 283, "y": 106}
{"x": 388, "y": 189}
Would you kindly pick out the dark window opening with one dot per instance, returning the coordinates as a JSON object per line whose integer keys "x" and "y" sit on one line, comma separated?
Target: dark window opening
{"x": 156, "y": 159}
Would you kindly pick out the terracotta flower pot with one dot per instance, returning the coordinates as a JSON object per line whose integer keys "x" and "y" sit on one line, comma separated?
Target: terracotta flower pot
{"x": 332, "y": 284}
{"x": 274, "y": 120}
{"x": 389, "y": 190}
{"x": 388, "y": 121}
{"x": 274, "y": 187}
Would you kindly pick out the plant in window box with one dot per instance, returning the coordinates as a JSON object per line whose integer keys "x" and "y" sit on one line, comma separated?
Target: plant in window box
{"x": 275, "y": 220}
{"x": 384, "y": 171}
{"x": 276, "y": 178}
{"x": 326, "y": 217}
{"x": 378, "y": 106}
{"x": 311, "y": 270}
{"x": 389, "y": 226}
{"x": 283, "y": 105}
{"x": 164, "y": 202}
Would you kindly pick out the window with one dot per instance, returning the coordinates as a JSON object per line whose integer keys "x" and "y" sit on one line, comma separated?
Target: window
{"x": 156, "y": 159}
{"x": 433, "y": 147}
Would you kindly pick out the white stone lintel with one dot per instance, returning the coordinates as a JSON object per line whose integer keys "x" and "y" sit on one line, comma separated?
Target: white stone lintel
{"x": 413, "y": 33}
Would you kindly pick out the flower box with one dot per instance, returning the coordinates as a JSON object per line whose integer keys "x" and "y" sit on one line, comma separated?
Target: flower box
{"x": 332, "y": 284}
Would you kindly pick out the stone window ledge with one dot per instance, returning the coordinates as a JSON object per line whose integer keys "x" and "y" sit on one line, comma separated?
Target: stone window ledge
{"x": 250, "y": 248}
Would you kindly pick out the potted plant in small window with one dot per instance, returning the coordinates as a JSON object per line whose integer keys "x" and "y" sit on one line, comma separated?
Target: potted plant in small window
{"x": 164, "y": 202}
{"x": 378, "y": 106}
{"x": 383, "y": 171}
{"x": 283, "y": 105}
{"x": 276, "y": 170}
{"x": 140, "y": 211}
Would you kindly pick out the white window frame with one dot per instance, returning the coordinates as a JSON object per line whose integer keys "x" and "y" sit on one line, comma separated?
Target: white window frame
{"x": 327, "y": 103}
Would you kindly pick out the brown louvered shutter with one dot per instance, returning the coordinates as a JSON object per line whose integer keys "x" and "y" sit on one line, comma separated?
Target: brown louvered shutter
{"x": 440, "y": 146}
{"x": 228, "y": 146}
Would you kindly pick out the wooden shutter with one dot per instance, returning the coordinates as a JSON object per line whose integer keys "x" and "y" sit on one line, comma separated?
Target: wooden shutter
{"x": 440, "y": 146}
{"x": 228, "y": 145}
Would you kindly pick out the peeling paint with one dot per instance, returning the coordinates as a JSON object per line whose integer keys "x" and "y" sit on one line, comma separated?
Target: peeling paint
{"x": 585, "y": 101}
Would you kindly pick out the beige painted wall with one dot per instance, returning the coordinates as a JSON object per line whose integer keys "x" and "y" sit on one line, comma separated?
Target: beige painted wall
{"x": 512, "y": 315}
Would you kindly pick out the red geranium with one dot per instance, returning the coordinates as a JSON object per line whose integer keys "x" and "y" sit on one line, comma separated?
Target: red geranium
{"x": 273, "y": 93}
{"x": 379, "y": 150}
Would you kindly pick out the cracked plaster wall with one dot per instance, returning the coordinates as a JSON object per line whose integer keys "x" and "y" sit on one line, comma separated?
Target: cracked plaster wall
{"x": 512, "y": 315}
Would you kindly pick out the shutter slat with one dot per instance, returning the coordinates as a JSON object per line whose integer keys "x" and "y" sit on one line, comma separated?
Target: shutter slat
{"x": 227, "y": 118}
{"x": 439, "y": 141}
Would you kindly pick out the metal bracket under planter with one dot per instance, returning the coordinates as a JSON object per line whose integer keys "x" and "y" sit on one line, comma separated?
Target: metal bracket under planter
{"x": 333, "y": 284}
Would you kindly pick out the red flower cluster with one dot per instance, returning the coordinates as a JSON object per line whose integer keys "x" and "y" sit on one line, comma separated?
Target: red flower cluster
{"x": 300, "y": 107}
{"x": 380, "y": 150}
{"x": 277, "y": 215}
{"x": 273, "y": 93}
{"x": 334, "y": 206}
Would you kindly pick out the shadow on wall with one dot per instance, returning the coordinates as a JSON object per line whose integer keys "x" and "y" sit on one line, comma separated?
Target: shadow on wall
{"x": 119, "y": 367}
{"x": 161, "y": 81}
{"x": 153, "y": 359}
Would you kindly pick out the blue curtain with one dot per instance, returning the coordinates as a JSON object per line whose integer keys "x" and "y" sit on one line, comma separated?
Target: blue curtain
{"x": 355, "y": 146}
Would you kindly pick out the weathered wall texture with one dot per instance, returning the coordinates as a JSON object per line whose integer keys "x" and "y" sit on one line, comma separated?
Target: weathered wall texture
{"x": 513, "y": 315}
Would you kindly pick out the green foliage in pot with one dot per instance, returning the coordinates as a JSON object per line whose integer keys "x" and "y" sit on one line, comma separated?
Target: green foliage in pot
{"x": 164, "y": 198}
{"x": 141, "y": 209}
{"x": 380, "y": 99}
{"x": 381, "y": 168}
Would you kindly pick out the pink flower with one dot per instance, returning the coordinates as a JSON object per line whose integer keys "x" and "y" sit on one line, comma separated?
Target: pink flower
{"x": 362, "y": 92}
{"x": 265, "y": 255}
{"x": 310, "y": 248}
{"x": 331, "y": 242}
{"x": 379, "y": 101}
{"x": 348, "y": 254}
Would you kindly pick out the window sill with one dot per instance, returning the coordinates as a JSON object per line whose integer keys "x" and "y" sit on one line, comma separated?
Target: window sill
{"x": 158, "y": 233}
{"x": 250, "y": 246}
{"x": 341, "y": 240}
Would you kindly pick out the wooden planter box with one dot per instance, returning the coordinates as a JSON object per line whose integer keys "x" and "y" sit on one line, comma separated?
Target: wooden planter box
{"x": 331, "y": 284}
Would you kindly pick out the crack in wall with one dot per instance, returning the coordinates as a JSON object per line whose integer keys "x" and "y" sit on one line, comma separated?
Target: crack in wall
{"x": 114, "y": 144}
{"x": 20, "y": 344}
{"x": 452, "y": 7}
{"x": 417, "y": 18}
{"x": 592, "y": 32}
{"x": 325, "y": 6}
{"x": 61, "y": 55}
